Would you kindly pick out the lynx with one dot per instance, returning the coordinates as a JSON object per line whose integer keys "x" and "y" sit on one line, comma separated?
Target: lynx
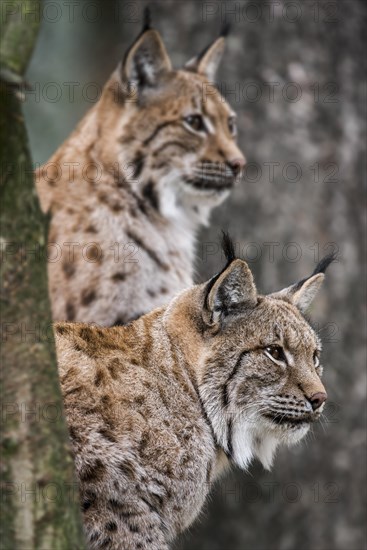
{"x": 129, "y": 188}
{"x": 159, "y": 408}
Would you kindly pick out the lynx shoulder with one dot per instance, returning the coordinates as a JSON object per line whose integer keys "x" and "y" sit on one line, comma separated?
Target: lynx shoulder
{"x": 159, "y": 408}
{"x": 131, "y": 185}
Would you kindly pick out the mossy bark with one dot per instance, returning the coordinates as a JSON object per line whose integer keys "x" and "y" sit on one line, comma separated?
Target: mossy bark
{"x": 39, "y": 493}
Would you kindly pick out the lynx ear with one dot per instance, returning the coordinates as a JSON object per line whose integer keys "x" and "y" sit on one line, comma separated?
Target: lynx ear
{"x": 146, "y": 60}
{"x": 303, "y": 293}
{"x": 302, "y": 296}
{"x": 232, "y": 289}
{"x": 208, "y": 61}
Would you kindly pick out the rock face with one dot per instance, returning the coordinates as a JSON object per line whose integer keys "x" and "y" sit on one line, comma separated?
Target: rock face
{"x": 293, "y": 71}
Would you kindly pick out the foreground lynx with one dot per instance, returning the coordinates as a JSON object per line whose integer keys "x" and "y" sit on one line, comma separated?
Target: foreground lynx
{"x": 128, "y": 190}
{"x": 157, "y": 409}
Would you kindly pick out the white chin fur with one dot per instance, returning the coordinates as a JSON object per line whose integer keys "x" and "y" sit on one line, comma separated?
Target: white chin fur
{"x": 260, "y": 439}
{"x": 211, "y": 197}
{"x": 184, "y": 204}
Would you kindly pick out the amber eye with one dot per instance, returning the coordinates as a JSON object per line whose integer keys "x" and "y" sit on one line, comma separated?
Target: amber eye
{"x": 276, "y": 352}
{"x": 232, "y": 126}
{"x": 195, "y": 122}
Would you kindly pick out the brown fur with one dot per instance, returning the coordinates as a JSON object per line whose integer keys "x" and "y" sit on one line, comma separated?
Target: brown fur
{"x": 131, "y": 185}
{"x": 157, "y": 409}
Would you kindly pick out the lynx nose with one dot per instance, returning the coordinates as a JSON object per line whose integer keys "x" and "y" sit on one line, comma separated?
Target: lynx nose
{"x": 237, "y": 164}
{"x": 317, "y": 400}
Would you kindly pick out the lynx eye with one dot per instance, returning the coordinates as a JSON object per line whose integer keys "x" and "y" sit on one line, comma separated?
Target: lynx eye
{"x": 276, "y": 353}
{"x": 316, "y": 358}
{"x": 232, "y": 126}
{"x": 195, "y": 122}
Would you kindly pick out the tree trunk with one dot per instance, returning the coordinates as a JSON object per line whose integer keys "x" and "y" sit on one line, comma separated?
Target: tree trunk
{"x": 39, "y": 493}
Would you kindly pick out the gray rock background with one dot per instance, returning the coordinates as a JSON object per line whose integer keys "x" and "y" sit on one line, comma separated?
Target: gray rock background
{"x": 296, "y": 70}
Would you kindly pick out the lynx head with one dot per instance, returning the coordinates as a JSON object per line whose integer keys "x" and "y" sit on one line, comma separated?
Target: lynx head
{"x": 172, "y": 132}
{"x": 259, "y": 372}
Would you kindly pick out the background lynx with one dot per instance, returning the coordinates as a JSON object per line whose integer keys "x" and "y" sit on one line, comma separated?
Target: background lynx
{"x": 157, "y": 409}
{"x": 128, "y": 189}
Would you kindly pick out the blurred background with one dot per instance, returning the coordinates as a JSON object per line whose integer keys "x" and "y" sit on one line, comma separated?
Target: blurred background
{"x": 294, "y": 73}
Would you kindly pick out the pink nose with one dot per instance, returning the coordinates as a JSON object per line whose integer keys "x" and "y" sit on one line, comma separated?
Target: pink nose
{"x": 237, "y": 164}
{"x": 318, "y": 399}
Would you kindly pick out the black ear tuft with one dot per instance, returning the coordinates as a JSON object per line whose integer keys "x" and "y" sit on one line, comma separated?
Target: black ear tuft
{"x": 147, "y": 20}
{"x": 320, "y": 268}
{"x": 225, "y": 30}
{"x": 324, "y": 263}
{"x": 229, "y": 252}
{"x": 228, "y": 247}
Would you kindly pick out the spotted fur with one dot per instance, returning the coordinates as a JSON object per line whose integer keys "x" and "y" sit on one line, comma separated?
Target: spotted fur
{"x": 129, "y": 188}
{"x": 159, "y": 408}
